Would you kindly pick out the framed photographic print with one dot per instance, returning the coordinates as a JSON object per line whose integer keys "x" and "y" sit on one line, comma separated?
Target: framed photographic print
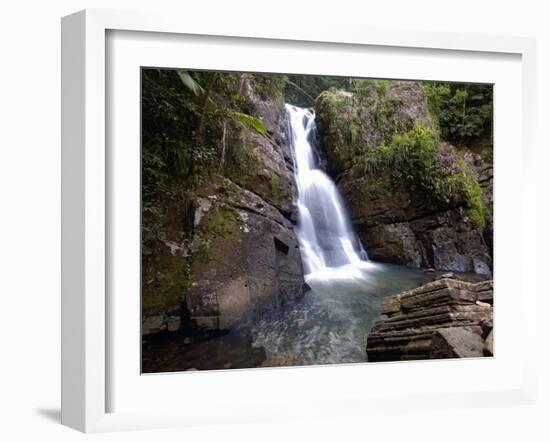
{"x": 250, "y": 214}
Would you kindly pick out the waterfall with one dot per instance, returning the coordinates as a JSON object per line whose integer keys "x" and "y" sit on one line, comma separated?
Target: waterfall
{"x": 328, "y": 244}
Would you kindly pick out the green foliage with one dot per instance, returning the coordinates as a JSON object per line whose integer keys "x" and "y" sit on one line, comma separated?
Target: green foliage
{"x": 335, "y": 108}
{"x": 268, "y": 85}
{"x": 341, "y": 127}
{"x": 302, "y": 90}
{"x": 414, "y": 158}
{"x": 381, "y": 86}
{"x": 464, "y": 112}
{"x": 476, "y": 208}
{"x": 248, "y": 120}
{"x": 194, "y": 124}
{"x": 364, "y": 87}
{"x": 184, "y": 121}
{"x": 171, "y": 113}
{"x": 355, "y": 122}
{"x": 190, "y": 83}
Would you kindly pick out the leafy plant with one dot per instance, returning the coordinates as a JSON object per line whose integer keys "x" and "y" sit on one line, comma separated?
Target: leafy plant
{"x": 190, "y": 83}
{"x": 303, "y": 90}
{"x": 248, "y": 120}
{"x": 268, "y": 85}
{"x": 414, "y": 158}
{"x": 464, "y": 112}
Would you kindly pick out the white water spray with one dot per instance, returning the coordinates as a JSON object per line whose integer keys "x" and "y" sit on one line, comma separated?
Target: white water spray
{"x": 329, "y": 247}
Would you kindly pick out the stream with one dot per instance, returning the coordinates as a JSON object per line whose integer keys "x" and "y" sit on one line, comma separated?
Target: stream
{"x": 330, "y": 323}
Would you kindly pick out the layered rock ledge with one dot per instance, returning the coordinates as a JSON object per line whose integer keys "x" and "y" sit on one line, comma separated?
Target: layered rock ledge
{"x": 447, "y": 318}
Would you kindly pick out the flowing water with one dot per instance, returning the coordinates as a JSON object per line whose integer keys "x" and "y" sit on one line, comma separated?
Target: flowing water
{"x": 331, "y": 322}
{"x": 329, "y": 247}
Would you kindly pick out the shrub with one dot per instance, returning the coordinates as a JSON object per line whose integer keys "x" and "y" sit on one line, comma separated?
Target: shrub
{"x": 414, "y": 158}
{"x": 268, "y": 85}
{"x": 464, "y": 112}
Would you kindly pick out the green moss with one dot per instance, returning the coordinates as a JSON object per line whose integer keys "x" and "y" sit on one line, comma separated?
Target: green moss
{"x": 434, "y": 93}
{"x": 352, "y": 124}
{"x": 413, "y": 157}
{"x": 463, "y": 187}
{"x": 276, "y": 189}
{"x": 243, "y": 159}
{"x": 218, "y": 237}
{"x": 340, "y": 126}
{"x": 166, "y": 280}
{"x": 222, "y": 222}
{"x": 476, "y": 209}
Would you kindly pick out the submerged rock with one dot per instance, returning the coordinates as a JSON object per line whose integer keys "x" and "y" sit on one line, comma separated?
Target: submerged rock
{"x": 283, "y": 360}
{"x": 446, "y": 318}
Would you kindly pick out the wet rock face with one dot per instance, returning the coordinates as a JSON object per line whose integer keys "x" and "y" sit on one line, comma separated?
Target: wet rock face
{"x": 239, "y": 245}
{"x": 404, "y": 227}
{"x": 245, "y": 254}
{"x": 270, "y": 177}
{"x": 447, "y": 318}
{"x": 397, "y": 222}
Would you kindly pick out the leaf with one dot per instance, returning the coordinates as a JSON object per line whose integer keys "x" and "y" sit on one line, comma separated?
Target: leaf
{"x": 249, "y": 120}
{"x": 190, "y": 83}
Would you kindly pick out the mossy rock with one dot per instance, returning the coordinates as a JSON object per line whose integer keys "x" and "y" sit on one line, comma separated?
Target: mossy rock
{"x": 165, "y": 283}
{"x": 353, "y": 123}
{"x": 336, "y": 120}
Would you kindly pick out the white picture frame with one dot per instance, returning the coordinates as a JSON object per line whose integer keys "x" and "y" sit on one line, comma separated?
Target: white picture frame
{"x": 87, "y": 319}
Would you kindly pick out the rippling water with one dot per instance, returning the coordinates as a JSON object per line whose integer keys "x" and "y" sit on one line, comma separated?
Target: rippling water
{"x": 331, "y": 323}
{"x": 328, "y": 325}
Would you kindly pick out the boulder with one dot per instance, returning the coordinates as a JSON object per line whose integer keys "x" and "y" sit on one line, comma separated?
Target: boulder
{"x": 446, "y": 318}
{"x": 246, "y": 259}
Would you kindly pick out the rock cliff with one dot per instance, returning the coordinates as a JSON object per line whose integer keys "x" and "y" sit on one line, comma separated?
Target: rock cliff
{"x": 414, "y": 198}
{"x": 227, "y": 246}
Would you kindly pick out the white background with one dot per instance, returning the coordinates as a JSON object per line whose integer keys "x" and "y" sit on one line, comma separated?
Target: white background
{"x": 265, "y": 390}
{"x": 30, "y": 217}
